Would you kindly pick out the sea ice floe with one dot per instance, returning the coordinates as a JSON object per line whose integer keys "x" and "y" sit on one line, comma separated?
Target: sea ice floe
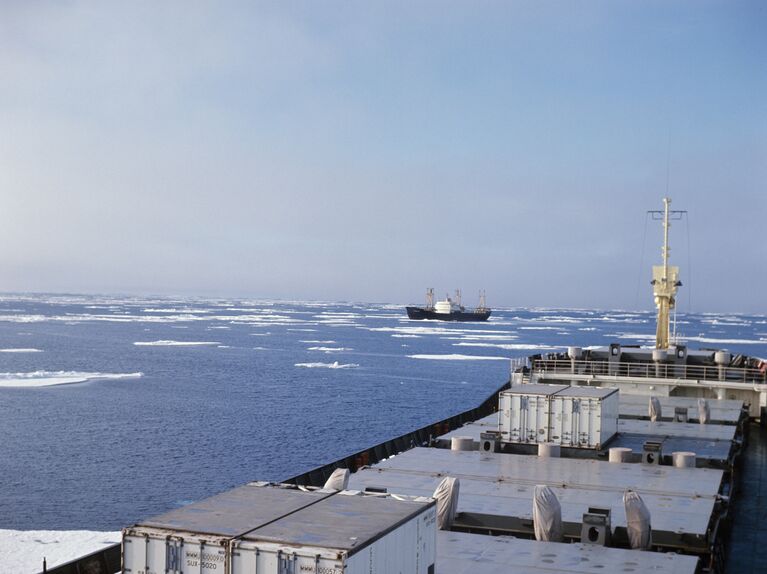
{"x": 12, "y": 350}
{"x": 442, "y": 329}
{"x": 456, "y": 357}
{"x": 53, "y": 378}
{"x": 333, "y": 365}
{"x": 712, "y": 341}
{"x": 175, "y": 343}
{"x": 330, "y": 349}
{"x": 474, "y": 337}
{"x": 509, "y": 346}
{"x": 22, "y": 551}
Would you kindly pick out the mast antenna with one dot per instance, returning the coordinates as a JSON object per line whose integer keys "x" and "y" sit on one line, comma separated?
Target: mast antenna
{"x": 665, "y": 278}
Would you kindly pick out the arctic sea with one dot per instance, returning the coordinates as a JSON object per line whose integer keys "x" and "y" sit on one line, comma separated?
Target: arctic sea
{"x": 114, "y": 409}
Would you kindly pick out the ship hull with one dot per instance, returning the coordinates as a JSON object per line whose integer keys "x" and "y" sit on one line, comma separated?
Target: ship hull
{"x": 419, "y": 313}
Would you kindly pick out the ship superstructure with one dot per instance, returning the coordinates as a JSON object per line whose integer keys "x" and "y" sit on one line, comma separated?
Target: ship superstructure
{"x": 671, "y": 368}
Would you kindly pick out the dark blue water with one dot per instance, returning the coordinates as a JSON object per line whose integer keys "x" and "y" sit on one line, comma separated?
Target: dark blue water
{"x": 104, "y": 453}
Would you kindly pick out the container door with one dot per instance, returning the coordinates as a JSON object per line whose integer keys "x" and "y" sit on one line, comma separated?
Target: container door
{"x": 538, "y": 409}
{"x": 202, "y": 558}
{"x": 517, "y": 411}
{"x": 156, "y": 554}
{"x": 249, "y": 557}
{"x": 560, "y": 431}
{"x": 595, "y": 416}
{"x": 504, "y": 409}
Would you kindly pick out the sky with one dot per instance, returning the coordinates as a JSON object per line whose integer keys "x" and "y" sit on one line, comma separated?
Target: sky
{"x": 364, "y": 151}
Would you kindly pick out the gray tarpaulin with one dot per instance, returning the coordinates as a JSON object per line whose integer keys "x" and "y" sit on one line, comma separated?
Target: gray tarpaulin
{"x": 655, "y": 411}
{"x": 339, "y": 480}
{"x": 547, "y": 515}
{"x": 446, "y": 496}
{"x": 704, "y": 413}
{"x": 637, "y": 521}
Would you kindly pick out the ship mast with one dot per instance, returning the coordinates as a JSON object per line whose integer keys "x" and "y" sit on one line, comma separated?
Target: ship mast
{"x": 665, "y": 279}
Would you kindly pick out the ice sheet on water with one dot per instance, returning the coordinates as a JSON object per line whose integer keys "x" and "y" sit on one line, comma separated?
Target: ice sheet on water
{"x": 439, "y": 328}
{"x": 713, "y": 341}
{"x": 168, "y": 343}
{"x": 474, "y": 337}
{"x": 22, "y": 551}
{"x": 53, "y": 378}
{"x": 176, "y": 310}
{"x": 330, "y": 349}
{"x": 456, "y": 357}
{"x": 333, "y": 365}
{"x": 509, "y": 346}
{"x": 14, "y": 350}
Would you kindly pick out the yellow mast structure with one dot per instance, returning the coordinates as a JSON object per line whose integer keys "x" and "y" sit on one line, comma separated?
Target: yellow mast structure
{"x": 665, "y": 281}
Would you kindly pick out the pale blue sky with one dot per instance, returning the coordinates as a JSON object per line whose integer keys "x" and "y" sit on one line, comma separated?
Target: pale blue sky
{"x": 365, "y": 151}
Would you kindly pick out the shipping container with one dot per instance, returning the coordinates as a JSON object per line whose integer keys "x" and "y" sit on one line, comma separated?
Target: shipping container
{"x": 277, "y": 529}
{"x": 584, "y": 417}
{"x": 194, "y": 539}
{"x": 525, "y": 412}
{"x": 350, "y": 533}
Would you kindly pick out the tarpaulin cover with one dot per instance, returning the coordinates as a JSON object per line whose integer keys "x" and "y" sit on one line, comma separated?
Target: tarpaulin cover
{"x": 637, "y": 521}
{"x": 339, "y": 480}
{"x": 655, "y": 411}
{"x": 446, "y": 496}
{"x": 547, "y": 515}
{"x": 704, "y": 412}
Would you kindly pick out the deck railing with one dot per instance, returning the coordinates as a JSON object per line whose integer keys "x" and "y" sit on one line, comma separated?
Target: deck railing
{"x": 650, "y": 370}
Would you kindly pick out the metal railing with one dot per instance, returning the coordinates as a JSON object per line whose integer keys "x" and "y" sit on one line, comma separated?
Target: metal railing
{"x": 650, "y": 370}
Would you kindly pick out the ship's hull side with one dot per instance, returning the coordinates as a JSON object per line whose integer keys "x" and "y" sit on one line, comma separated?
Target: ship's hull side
{"x": 464, "y": 316}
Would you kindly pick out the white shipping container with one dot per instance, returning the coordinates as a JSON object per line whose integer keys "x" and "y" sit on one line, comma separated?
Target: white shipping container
{"x": 278, "y": 530}
{"x": 525, "y": 413}
{"x": 351, "y": 533}
{"x": 584, "y": 417}
{"x": 195, "y": 539}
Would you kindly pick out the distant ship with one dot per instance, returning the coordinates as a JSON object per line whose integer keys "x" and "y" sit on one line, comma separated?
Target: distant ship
{"x": 449, "y": 309}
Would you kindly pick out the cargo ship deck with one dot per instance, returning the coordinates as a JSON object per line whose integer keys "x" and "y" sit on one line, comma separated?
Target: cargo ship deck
{"x": 692, "y": 513}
